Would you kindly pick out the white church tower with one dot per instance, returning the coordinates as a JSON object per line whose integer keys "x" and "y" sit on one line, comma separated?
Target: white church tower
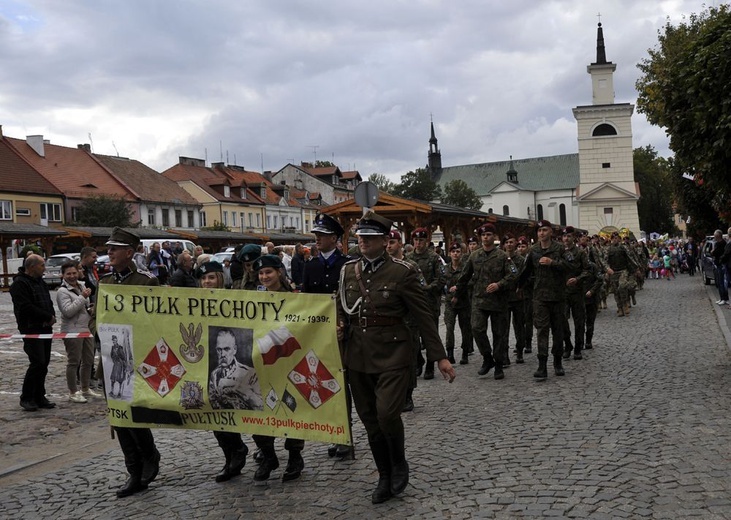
{"x": 607, "y": 194}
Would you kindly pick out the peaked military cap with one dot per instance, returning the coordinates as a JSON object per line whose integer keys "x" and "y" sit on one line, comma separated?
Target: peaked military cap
{"x": 249, "y": 253}
{"x": 208, "y": 267}
{"x": 373, "y": 224}
{"x": 120, "y": 237}
{"x": 324, "y": 223}
{"x": 268, "y": 261}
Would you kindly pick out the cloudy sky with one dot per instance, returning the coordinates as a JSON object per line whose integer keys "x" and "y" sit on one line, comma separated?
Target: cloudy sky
{"x": 351, "y": 81}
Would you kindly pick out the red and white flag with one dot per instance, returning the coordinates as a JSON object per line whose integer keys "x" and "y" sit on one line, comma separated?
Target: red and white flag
{"x": 277, "y": 344}
{"x": 313, "y": 380}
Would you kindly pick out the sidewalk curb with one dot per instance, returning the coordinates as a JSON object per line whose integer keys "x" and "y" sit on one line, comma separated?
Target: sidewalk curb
{"x": 721, "y": 317}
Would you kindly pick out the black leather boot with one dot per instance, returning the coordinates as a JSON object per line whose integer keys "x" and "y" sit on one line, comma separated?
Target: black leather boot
{"x": 237, "y": 461}
{"x": 519, "y": 358}
{"x": 465, "y": 357}
{"x": 450, "y": 355}
{"x": 295, "y": 465}
{"x": 557, "y": 366}
{"x": 499, "y": 374}
{"x": 133, "y": 485}
{"x": 269, "y": 463}
{"x": 577, "y": 353}
{"x": 542, "y": 372}
{"x": 223, "y": 475}
{"x": 150, "y": 468}
{"x": 381, "y": 457}
{"x": 487, "y": 364}
{"x": 399, "y": 466}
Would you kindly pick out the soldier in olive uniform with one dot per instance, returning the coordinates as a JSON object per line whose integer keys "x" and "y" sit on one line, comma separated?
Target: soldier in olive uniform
{"x": 545, "y": 262}
{"x": 592, "y": 287}
{"x": 376, "y": 293}
{"x": 492, "y": 276}
{"x": 527, "y": 290}
{"x": 516, "y": 301}
{"x": 576, "y": 272}
{"x": 457, "y": 310}
{"x": 620, "y": 268}
{"x": 432, "y": 269}
{"x": 138, "y": 445}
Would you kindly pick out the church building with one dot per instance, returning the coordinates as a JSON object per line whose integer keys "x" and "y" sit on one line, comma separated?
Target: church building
{"x": 589, "y": 190}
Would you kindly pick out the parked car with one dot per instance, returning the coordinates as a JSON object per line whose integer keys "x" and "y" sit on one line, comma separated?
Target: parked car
{"x": 706, "y": 262}
{"x": 220, "y": 257}
{"x": 102, "y": 265}
{"x": 52, "y": 276}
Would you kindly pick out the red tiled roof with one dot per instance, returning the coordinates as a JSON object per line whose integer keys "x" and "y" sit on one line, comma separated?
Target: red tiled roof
{"x": 354, "y": 174}
{"x": 73, "y": 171}
{"x": 205, "y": 179}
{"x": 18, "y": 176}
{"x": 252, "y": 179}
{"x": 327, "y": 170}
{"x": 146, "y": 182}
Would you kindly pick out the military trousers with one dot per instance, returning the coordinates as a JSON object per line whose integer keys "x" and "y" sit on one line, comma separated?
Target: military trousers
{"x": 620, "y": 281}
{"x": 379, "y": 399}
{"x": 499, "y": 323}
{"x": 528, "y": 320}
{"x": 591, "y": 309}
{"x": 575, "y": 308}
{"x": 516, "y": 314}
{"x": 451, "y": 316}
{"x": 548, "y": 318}
{"x": 137, "y": 445}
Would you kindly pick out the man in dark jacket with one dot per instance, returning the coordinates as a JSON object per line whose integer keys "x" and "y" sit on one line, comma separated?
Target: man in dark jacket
{"x": 183, "y": 276}
{"x": 298, "y": 265}
{"x": 35, "y": 315}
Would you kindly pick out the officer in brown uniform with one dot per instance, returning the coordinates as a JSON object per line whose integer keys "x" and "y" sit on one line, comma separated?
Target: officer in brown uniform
{"x": 138, "y": 445}
{"x": 492, "y": 276}
{"x": 376, "y": 293}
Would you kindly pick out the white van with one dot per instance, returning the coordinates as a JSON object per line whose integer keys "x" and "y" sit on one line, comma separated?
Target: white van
{"x": 147, "y": 242}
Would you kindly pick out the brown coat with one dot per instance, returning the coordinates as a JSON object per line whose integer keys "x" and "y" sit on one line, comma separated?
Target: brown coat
{"x": 395, "y": 290}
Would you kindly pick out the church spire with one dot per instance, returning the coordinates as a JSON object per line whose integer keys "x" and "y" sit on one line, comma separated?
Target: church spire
{"x": 601, "y": 53}
{"x": 434, "y": 163}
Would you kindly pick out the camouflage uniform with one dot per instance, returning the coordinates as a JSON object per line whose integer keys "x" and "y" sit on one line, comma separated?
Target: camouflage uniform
{"x": 622, "y": 263}
{"x": 516, "y": 310}
{"x": 577, "y": 267}
{"x": 548, "y": 296}
{"x": 592, "y": 283}
{"x": 482, "y": 269}
{"x": 460, "y": 310}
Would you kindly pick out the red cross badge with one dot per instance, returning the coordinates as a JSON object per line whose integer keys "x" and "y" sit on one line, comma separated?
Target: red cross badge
{"x": 161, "y": 369}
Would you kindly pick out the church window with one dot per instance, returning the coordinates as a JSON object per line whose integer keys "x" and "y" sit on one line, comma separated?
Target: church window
{"x": 539, "y": 210}
{"x": 506, "y": 210}
{"x": 562, "y": 214}
{"x": 604, "y": 129}
{"x": 606, "y": 165}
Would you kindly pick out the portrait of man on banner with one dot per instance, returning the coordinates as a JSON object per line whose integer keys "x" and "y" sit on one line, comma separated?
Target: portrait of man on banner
{"x": 233, "y": 383}
{"x": 118, "y": 360}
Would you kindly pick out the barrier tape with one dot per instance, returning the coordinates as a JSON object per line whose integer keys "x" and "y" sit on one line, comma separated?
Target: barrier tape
{"x": 58, "y": 335}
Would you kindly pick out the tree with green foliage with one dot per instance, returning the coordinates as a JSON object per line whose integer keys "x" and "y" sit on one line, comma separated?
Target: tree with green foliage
{"x": 419, "y": 185}
{"x": 105, "y": 211}
{"x": 686, "y": 87}
{"x": 694, "y": 203}
{"x": 217, "y": 226}
{"x": 324, "y": 164}
{"x": 655, "y": 206}
{"x": 382, "y": 182}
{"x": 458, "y": 193}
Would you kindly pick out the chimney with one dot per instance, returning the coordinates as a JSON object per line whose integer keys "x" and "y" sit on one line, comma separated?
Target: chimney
{"x": 36, "y": 142}
{"x": 267, "y": 175}
{"x": 86, "y": 147}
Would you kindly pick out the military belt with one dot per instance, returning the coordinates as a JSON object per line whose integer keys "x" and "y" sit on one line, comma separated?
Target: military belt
{"x": 379, "y": 321}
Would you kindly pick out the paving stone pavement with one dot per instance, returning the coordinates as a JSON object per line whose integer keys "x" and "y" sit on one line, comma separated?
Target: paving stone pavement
{"x": 640, "y": 428}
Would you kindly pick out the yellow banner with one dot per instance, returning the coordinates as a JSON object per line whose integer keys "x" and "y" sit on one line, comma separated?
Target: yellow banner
{"x": 211, "y": 359}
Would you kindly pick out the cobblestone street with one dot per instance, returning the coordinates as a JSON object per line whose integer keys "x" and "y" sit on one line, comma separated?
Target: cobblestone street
{"x": 640, "y": 428}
